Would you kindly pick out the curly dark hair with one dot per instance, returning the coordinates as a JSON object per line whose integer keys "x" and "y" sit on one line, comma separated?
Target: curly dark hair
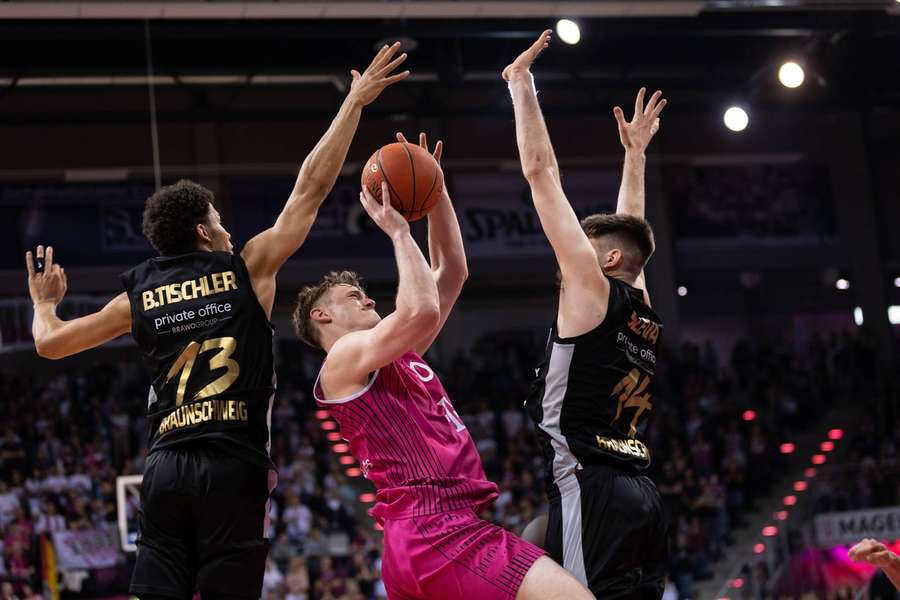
{"x": 309, "y": 296}
{"x": 172, "y": 214}
{"x": 631, "y": 234}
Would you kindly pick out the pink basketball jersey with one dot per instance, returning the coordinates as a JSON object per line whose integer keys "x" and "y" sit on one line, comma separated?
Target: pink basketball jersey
{"x": 411, "y": 443}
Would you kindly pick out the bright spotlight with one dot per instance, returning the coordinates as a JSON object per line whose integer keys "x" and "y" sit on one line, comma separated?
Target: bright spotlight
{"x": 568, "y": 31}
{"x": 858, "y": 316}
{"x": 791, "y": 75}
{"x": 897, "y": 279}
{"x": 736, "y": 119}
{"x": 894, "y": 314}
{"x": 842, "y": 284}
{"x": 682, "y": 291}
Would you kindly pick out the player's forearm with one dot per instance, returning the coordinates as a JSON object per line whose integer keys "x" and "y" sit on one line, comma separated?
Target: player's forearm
{"x": 445, "y": 243}
{"x": 323, "y": 165}
{"x": 893, "y": 570}
{"x": 417, "y": 295}
{"x": 43, "y": 325}
{"x": 631, "y": 192}
{"x": 535, "y": 149}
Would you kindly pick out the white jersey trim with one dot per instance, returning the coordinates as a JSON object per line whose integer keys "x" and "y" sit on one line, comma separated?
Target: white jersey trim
{"x": 556, "y": 383}
{"x": 345, "y": 399}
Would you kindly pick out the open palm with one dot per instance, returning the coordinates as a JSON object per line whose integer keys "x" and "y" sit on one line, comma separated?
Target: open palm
{"x": 636, "y": 134}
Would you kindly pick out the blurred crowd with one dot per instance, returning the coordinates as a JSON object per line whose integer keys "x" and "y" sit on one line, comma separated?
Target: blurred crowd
{"x": 714, "y": 433}
{"x": 751, "y": 201}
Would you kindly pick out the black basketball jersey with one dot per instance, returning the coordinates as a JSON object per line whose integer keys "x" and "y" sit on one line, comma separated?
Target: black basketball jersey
{"x": 209, "y": 343}
{"x": 594, "y": 392}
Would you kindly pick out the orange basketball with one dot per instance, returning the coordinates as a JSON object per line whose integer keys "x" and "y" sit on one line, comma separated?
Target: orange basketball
{"x": 415, "y": 180}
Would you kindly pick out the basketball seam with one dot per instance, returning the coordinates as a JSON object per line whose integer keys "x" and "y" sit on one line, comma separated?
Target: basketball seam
{"x": 385, "y": 177}
{"x": 412, "y": 166}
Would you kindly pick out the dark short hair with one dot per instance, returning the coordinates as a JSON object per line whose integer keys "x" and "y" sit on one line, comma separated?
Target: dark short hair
{"x": 632, "y": 235}
{"x": 172, "y": 214}
{"x": 304, "y": 326}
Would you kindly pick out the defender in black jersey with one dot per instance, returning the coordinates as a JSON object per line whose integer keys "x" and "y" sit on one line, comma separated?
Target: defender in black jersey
{"x": 594, "y": 390}
{"x": 200, "y": 315}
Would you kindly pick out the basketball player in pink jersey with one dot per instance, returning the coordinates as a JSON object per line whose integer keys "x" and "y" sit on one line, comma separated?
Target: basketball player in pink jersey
{"x": 404, "y": 431}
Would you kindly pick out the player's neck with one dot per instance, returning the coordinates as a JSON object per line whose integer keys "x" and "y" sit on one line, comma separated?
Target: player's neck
{"x": 623, "y": 276}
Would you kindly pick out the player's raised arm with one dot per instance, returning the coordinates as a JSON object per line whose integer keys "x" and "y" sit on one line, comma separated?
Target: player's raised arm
{"x": 55, "y": 338}
{"x": 265, "y": 253}
{"x": 416, "y": 315}
{"x": 635, "y": 137}
{"x": 574, "y": 253}
{"x": 445, "y": 251}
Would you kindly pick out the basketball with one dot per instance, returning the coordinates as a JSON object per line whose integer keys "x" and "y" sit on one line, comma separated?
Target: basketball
{"x": 414, "y": 178}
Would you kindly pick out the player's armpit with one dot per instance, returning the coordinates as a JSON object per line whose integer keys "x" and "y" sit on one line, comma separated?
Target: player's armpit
{"x": 65, "y": 338}
{"x": 355, "y": 355}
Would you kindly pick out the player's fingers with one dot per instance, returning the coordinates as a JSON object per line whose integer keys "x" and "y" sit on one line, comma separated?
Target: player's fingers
{"x": 355, "y": 74}
{"x": 29, "y": 264}
{"x": 48, "y": 260}
{"x": 40, "y": 251}
{"x": 639, "y": 102}
{"x": 619, "y": 114}
{"x": 392, "y": 65}
{"x": 423, "y": 141}
{"x": 385, "y": 196}
{"x": 401, "y": 138}
{"x": 395, "y": 78}
{"x": 878, "y": 557}
{"x": 378, "y": 55}
{"x": 438, "y": 150}
{"x": 388, "y": 55}
{"x": 542, "y": 42}
{"x": 863, "y": 548}
{"x": 651, "y": 104}
{"x": 659, "y": 108}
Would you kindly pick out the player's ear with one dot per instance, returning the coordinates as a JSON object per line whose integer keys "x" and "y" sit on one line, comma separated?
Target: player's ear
{"x": 319, "y": 315}
{"x": 612, "y": 259}
{"x": 203, "y": 233}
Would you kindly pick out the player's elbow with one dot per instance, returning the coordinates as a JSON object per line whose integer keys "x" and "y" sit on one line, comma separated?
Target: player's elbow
{"x": 536, "y": 169}
{"x": 424, "y": 316}
{"x": 46, "y": 349}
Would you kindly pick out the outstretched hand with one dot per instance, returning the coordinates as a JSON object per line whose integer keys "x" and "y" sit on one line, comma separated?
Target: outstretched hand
{"x": 523, "y": 62}
{"x": 636, "y": 134}
{"x": 48, "y": 285}
{"x": 423, "y": 143}
{"x": 367, "y": 86}
{"x": 873, "y": 552}
{"x": 388, "y": 219}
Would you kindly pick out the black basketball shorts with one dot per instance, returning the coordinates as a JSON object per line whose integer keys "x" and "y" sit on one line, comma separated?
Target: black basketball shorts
{"x": 607, "y": 527}
{"x": 201, "y": 525}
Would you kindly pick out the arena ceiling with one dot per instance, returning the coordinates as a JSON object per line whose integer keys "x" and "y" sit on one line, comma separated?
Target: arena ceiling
{"x": 236, "y": 59}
